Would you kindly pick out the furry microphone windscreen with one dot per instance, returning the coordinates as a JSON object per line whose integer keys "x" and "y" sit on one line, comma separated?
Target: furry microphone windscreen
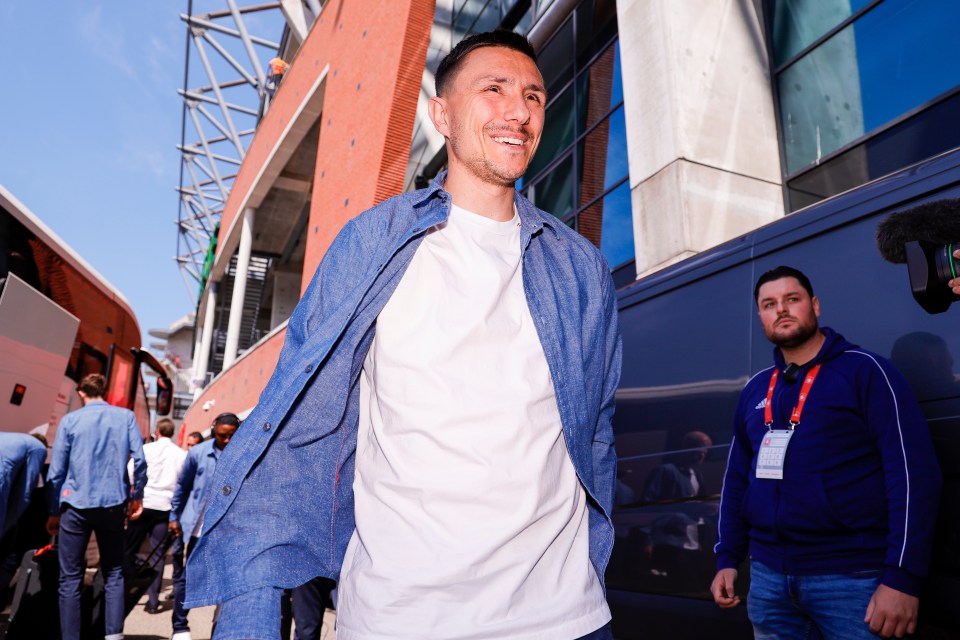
{"x": 937, "y": 222}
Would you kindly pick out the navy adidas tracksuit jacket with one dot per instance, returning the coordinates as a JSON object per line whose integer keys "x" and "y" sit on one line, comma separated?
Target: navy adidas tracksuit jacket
{"x": 860, "y": 486}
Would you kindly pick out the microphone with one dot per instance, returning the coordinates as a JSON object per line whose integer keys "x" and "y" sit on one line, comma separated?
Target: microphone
{"x": 791, "y": 372}
{"x": 936, "y": 222}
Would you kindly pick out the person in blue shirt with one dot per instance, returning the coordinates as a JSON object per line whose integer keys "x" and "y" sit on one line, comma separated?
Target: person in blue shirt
{"x": 90, "y": 491}
{"x": 437, "y": 434}
{"x": 832, "y": 484}
{"x": 21, "y": 462}
{"x": 186, "y": 509}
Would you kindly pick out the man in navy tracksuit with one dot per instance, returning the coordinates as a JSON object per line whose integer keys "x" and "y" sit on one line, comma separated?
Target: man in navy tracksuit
{"x": 831, "y": 482}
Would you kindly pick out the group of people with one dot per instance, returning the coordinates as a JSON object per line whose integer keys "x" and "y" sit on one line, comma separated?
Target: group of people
{"x": 172, "y": 501}
{"x": 437, "y": 438}
{"x": 437, "y": 434}
{"x": 103, "y": 480}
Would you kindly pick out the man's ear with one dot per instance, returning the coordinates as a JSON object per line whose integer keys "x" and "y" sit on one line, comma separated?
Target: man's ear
{"x": 437, "y": 107}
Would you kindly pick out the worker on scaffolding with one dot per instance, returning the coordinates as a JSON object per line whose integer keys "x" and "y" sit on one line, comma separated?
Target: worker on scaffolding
{"x": 278, "y": 66}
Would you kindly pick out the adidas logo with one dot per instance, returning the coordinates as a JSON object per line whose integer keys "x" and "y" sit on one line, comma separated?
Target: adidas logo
{"x": 762, "y": 404}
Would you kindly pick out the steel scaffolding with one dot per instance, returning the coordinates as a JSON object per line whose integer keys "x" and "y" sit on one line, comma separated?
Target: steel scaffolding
{"x": 223, "y": 101}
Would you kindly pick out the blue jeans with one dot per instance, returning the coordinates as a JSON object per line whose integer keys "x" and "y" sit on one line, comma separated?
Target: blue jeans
{"x": 75, "y": 528}
{"x": 603, "y": 633}
{"x": 153, "y": 524}
{"x": 309, "y": 601}
{"x": 181, "y": 551}
{"x": 827, "y": 607}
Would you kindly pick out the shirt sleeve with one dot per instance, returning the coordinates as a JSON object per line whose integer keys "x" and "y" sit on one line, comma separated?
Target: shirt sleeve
{"x": 136, "y": 455}
{"x": 59, "y": 461}
{"x": 604, "y": 455}
{"x": 332, "y": 282}
{"x": 254, "y": 614}
{"x": 184, "y": 487}
{"x": 36, "y": 455}
{"x": 911, "y": 474}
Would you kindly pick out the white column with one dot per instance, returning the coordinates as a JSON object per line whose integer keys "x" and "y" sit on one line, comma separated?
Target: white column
{"x": 296, "y": 19}
{"x": 701, "y": 128}
{"x": 201, "y": 357}
{"x": 239, "y": 288}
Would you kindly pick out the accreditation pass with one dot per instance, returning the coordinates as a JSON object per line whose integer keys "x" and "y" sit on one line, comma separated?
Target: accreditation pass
{"x": 773, "y": 451}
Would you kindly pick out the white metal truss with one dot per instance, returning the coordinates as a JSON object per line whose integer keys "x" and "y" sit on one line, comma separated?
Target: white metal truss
{"x": 226, "y": 90}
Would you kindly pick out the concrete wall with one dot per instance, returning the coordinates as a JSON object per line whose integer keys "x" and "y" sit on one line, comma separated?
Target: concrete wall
{"x": 701, "y": 133}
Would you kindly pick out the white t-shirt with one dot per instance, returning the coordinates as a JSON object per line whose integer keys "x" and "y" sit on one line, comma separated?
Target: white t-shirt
{"x": 471, "y": 521}
{"x": 164, "y": 460}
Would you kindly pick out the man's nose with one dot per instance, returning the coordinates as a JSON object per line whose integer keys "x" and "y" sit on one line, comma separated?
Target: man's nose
{"x": 517, "y": 109}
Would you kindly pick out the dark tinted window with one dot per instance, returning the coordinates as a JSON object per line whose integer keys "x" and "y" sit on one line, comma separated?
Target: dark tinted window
{"x": 686, "y": 357}
{"x": 691, "y": 340}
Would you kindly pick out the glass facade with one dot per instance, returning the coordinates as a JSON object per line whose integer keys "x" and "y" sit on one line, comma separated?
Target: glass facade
{"x": 477, "y": 16}
{"x": 580, "y": 171}
{"x": 848, "y": 70}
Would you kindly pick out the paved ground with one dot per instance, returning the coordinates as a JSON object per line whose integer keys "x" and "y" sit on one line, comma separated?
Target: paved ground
{"x": 141, "y": 625}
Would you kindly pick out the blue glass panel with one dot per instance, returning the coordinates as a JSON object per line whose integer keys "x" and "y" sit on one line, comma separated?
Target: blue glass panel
{"x": 558, "y": 133}
{"x": 600, "y": 88}
{"x": 603, "y": 157}
{"x": 556, "y": 63}
{"x": 617, "y": 239}
{"x": 554, "y": 193}
{"x": 617, "y": 96}
{"x": 798, "y": 23}
{"x": 617, "y": 165}
{"x": 895, "y": 58}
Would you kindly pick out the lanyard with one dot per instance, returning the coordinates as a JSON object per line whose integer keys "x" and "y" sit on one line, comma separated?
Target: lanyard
{"x": 802, "y": 400}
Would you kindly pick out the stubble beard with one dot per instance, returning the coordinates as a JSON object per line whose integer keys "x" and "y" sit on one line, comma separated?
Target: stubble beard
{"x": 798, "y": 337}
{"x": 482, "y": 167}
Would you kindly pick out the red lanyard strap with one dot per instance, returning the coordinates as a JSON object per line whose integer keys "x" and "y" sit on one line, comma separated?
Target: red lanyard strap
{"x": 801, "y": 401}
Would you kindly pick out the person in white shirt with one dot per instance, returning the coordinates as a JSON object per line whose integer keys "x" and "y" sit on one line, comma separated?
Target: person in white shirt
{"x": 164, "y": 460}
{"x": 471, "y": 521}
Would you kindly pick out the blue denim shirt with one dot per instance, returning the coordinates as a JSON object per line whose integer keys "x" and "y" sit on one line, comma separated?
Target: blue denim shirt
{"x": 192, "y": 483}
{"x": 21, "y": 460}
{"x": 88, "y": 466}
{"x": 281, "y": 506}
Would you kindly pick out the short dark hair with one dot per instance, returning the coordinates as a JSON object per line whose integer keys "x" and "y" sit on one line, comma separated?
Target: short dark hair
{"x": 782, "y": 272}
{"x": 227, "y": 418}
{"x": 93, "y": 385}
{"x": 497, "y": 38}
{"x": 196, "y": 435}
{"x": 165, "y": 427}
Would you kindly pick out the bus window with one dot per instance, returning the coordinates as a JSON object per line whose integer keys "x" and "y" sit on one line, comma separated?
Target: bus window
{"x": 89, "y": 360}
{"x": 121, "y": 375}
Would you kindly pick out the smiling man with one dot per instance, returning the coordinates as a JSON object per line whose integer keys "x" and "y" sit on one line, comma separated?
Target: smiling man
{"x": 831, "y": 482}
{"x": 437, "y": 435}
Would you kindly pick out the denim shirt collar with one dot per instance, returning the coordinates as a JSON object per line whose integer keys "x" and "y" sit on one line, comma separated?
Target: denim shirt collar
{"x": 532, "y": 220}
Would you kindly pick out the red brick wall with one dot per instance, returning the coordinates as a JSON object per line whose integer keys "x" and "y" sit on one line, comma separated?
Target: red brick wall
{"x": 239, "y": 388}
{"x": 376, "y": 52}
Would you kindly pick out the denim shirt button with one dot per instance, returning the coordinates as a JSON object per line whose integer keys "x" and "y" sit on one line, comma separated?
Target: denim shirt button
{"x": 266, "y": 426}
{"x": 226, "y": 490}
{"x": 308, "y": 368}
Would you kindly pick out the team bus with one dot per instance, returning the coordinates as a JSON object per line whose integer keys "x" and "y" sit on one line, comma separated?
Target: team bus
{"x": 60, "y": 320}
{"x": 691, "y": 340}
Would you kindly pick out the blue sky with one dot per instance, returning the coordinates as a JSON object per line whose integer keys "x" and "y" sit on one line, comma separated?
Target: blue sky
{"x": 90, "y": 118}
